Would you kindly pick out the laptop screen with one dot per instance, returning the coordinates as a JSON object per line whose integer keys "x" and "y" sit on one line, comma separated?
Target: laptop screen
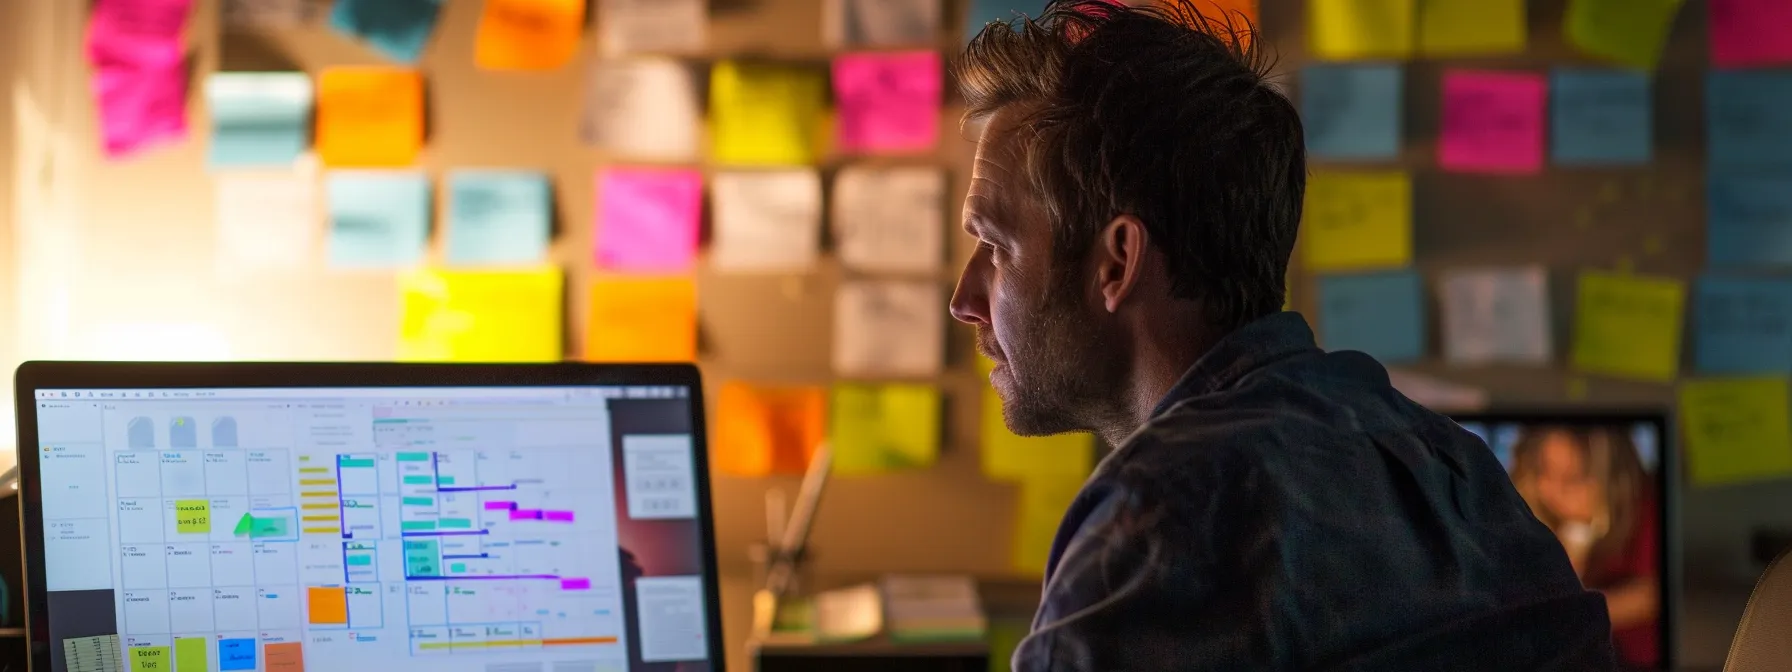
{"x": 1597, "y": 483}
{"x": 532, "y": 529}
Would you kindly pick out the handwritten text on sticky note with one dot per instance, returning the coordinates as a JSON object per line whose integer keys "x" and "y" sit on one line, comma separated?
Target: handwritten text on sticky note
{"x": 1736, "y": 429}
{"x": 1628, "y": 325}
{"x": 1742, "y": 325}
{"x": 888, "y": 102}
{"x": 1357, "y": 220}
{"x": 1600, "y": 116}
{"x": 1492, "y": 122}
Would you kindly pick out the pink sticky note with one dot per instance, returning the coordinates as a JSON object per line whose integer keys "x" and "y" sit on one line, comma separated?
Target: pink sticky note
{"x": 1492, "y": 122}
{"x": 142, "y": 100}
{"x": 648, "y": 220}
{"x": 888, "y": 101}
{"x": 1750, "y": 32}
{"x": 117, "y": 28}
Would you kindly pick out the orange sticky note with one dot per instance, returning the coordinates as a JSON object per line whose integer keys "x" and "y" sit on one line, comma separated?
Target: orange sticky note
{"x": 528, "y": 34}
{"x": 642, "y": 320}
{"x": 284, "y": 657}
{"x": 329, "y": 606}
{"x": 369, "y": 116}
{"x": 1237, "y": 16}
{"x": 763, "y": 430}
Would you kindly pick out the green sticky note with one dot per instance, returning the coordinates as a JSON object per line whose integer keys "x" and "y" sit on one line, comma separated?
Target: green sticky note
{"x": 878, "y": 428}
{"x": 1737, "y": 429}
{"x": 151, "y": 659}
{"x": 190, "y": 654}
{"x": 1628, "y": 325}
{"x": 192, "y": 516}
{"x": 1471, "y": 27}
{"x": 1627, "y": 32}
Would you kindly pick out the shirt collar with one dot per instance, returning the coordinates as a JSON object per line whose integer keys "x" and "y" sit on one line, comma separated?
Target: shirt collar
{"x": 1246, "y": 349}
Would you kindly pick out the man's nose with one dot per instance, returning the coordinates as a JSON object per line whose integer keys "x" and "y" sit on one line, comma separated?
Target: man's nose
{"x": 970, "y": 300}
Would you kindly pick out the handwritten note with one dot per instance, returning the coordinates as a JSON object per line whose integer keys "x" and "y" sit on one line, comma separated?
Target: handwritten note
{"x": 1471, "y": 27}
{"x": 889, "y": 328}
{"x": 768, "y": 429}
{"x": 641, "y": 319}
{"x": 1381, "y": 314}
{"x": 765, "y": 114}
{"x": 1343, "y": 30}
{"x": 881, "y": 23}
{"x": 498, "y": 217}
{"x": 1600, "y": 116}
{"x": 766, "y": 221}
{"x": 142, "y": 99}
{"x": 1628, "y": 325}
{"x": 1748, "y": 220}
{"x": 1746, "y": 33}
{"x": 881, "y": 428}
{"x": 369, "y": 116}
{"x": 1492, "y": 122}
{"x": 1351, "y": 112}
{"x": 643, "y": 109}
{"x": 481, "y": 316}
{"x": 151, "y": 658}
{"x": 528, "y": 35}
{"x": 1746, "y": 121}
{"x": 1496, "y": 315}
{"x": 889, "y": 102}
{"x": 377, "y": 219}
{"x": 398, "y": 29}
{"x": 1736, "y": 429}
{"x": 1742, "y": 325}
{"x": 265, "y": 221}
{"x": 258, "y": 118}
{"x": 648, "y": 219}
{"x": 654, "y": 26}
{"x": 1627, "y": 32}
{"x": 1357, "y": 220}
{"x": 890, "y": 220}
{"x": 1039, "y": 512}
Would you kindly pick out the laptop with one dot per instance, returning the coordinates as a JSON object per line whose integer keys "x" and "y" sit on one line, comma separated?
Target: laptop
{"x": 361, "y": 517}
{"x": 1606, "y": 484}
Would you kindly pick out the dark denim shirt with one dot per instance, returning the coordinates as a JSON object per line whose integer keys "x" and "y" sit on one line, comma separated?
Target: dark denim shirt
{"x": 1286, "y": 508}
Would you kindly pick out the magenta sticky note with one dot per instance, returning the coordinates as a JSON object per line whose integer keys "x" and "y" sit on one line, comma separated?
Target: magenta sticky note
{"x": 142, "y": 100}
{"x": 119, "y": 28}
{"x": 1493, "y": 122}
{"x": 888, "y": 102}
{"x": 648, "y": 219}
{"x": 1748, "y": 33}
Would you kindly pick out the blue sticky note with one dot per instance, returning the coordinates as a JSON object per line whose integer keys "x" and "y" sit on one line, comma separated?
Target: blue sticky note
{"x": 1742, "y": 325}
{"x": 1600, "y": 116}
{"x": 1382, "y": 314}
{"x": 258, "y": 118}
{"x": 1748, "y": 220}
{"x": 1748, "y": 118}
{"x": 498, "y": 217}
{"x": 1351, "y": 112}
{"x": 236, "y": 654}
{"x": 397, "y": 28}
{"x": 377, "y": 219}
{"x": 985, "y": 11}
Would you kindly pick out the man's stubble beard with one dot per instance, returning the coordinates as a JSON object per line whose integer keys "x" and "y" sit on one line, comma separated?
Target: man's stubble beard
{"x": 1063, "y": 374}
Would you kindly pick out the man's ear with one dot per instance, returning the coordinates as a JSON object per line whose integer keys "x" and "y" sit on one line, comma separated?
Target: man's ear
{"x": 1120, "y": 259}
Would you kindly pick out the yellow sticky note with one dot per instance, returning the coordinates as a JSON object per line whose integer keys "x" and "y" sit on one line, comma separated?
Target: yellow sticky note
{"x": 192, "y": 516}
{"x": 765, "y": 114}
{"x": 1043, "y": 502}
{"x": 642, "y": 319}
{"x": 1357, "y": 220}
{"x": 151, "y": 659}
{"x": 1471, "y": 27}
{"x": 1628, "y": 325}
{"x": 1736, "y": 428}
{"x": 528, "y": 34}
{"x": 1627, "y": 32}
{"x": 879, "y": 428}
{"x": 481, "y": 316}
{"x": 1341, "y": 30}
{"x": 369, "y": 116}
{"x": 767, "y": 429}
{"x": 1007, "y": 456}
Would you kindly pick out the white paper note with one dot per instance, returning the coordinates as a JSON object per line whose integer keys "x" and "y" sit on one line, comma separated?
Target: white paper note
{"x": 653, "y": 26}
{"x": 881, "y": 23}
{"x": 266, "y": 221}
{"x": 643, "y": 108}
{"x": 1496, "y": 315}
{"x": 889, "y": 328}
{"x": 766, "y": 221}
{"x": 890, "y": 220}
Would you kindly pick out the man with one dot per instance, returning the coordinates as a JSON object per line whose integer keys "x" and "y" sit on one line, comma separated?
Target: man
{"x": 1268, "y": 505}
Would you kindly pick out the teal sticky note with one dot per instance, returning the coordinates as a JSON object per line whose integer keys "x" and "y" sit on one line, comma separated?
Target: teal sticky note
{"x": 1748, "y": 220}
{"x": 397, "y": 28}
{"x": 1748, "y": 118}
{"x": 258, "y": 118}
{"x": 498, "y": 217}
{"x": 1381, "y": 314}
{"x": 1600, "y": 117}
{"x": 377, "y": 219}
{"x": 1351, "y": 112}
{"x": 1742, "y": 325}
{"x": 985, "y": 11}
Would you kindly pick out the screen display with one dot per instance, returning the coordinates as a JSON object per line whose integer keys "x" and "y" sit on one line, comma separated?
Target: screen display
{"x": 441, "y": 529}
{"x": 1597, "y": 486}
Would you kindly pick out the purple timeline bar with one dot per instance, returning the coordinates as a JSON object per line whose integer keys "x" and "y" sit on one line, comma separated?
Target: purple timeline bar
{"x": 557, "y": 516}
{"x": 500, "y": 506}
{"x": 525, "y": 514}
{"x": 575, "y": 584}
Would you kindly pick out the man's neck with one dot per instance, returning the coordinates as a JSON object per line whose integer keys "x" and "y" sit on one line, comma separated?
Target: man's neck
{"x": 1160, "y": 359}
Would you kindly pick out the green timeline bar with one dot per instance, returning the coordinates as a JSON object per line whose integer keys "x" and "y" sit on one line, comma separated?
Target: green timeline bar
{"x": 413, "y": 457}
{"x": 445, "y": 480}
{"x": 367, "y": 463}
{"x": 416, "y": 525}
{"x": 457, "y": 567}
{"x": 455, "y": 523}
{"x": 418, "y": 501}
{"x": 360, "y": 560}
{"x": 417, "y": 479}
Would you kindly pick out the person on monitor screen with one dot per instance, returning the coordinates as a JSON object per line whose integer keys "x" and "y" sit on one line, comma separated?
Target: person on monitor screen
{"x": 1589, "y": 486}
{"x": 1135, "y": 196}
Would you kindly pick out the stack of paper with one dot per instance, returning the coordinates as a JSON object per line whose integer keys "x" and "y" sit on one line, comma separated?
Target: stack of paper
{"x": 932, "y": 608}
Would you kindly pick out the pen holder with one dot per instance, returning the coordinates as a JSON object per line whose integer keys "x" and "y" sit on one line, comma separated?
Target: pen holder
{"x": 764, "y": 557}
